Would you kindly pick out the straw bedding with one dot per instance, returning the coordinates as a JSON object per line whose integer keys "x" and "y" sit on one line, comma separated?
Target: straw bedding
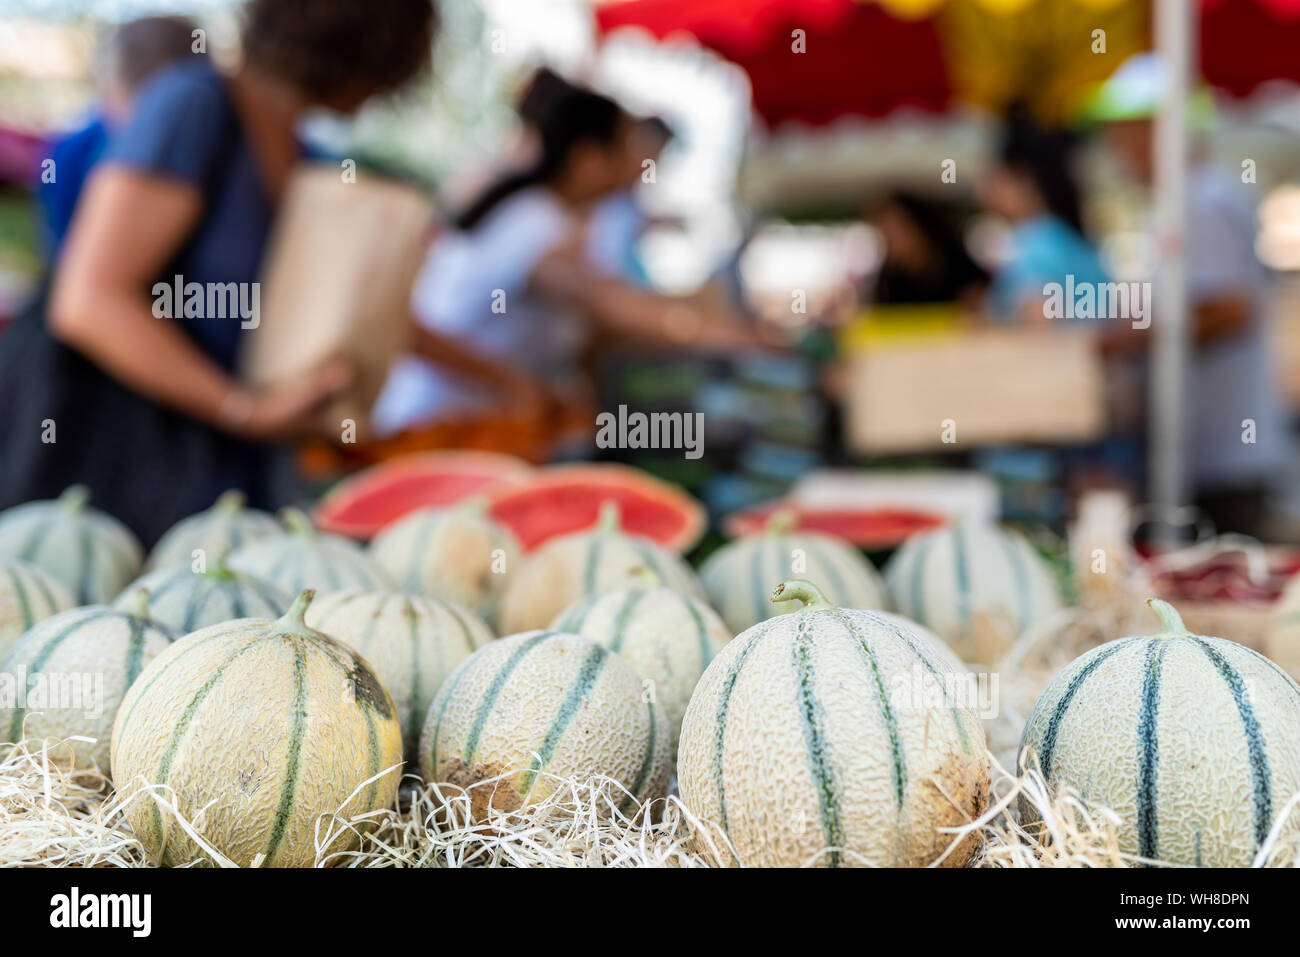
{"x": 50, "y": 816}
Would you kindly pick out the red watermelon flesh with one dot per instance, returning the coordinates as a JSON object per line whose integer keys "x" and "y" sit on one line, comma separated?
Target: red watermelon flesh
{"x": 360, "y": 506}
{"x": 866, "y": 528}
{"x": 559, "y": 499}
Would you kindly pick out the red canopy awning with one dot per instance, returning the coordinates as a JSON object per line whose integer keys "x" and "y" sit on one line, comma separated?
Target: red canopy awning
{"x": 872, "y": 57}
{"x": 851, "y": 58}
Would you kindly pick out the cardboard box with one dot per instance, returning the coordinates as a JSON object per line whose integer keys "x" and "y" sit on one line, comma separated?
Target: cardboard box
{"x": 995, "y": 386}
{"x": 340, "y": 266}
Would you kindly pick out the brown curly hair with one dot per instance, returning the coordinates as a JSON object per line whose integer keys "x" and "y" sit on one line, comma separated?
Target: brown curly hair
{"x": 334, "y": 48}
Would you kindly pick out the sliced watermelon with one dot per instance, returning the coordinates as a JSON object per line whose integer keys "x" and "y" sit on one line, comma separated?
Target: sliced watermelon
{"x": 360, "y": 506}
{"x": 868, "y": 528}
{"x": 558, "y": 499}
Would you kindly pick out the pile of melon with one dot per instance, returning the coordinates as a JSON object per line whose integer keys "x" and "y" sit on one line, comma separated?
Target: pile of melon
{"x": 269, "y": 691}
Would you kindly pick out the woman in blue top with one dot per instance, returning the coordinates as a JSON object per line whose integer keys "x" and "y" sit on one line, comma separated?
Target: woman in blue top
{"x": 144, "y": 407}
{"x": 1032, "y": 187}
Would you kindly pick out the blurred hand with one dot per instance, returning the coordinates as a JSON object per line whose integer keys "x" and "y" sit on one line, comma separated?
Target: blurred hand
{"x": 295, "y": 410}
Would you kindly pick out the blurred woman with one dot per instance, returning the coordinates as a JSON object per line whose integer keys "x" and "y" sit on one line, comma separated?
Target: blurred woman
{"x": 110, "y": 387}
{"x": 925, "y": 260}
{"x": 1032, "y": 187}
{"x": 513, "y": 283}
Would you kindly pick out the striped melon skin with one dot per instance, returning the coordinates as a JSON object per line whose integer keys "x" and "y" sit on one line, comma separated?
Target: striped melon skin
{"x": 738, "y": 577}
{"x": 27, "y": 595}
{"x": 185, "y": 600}
{"x": 265, "y": 724}
{"x": 305, "y": 558}
{"x": 975, "y": 585}
{"x": 220, "y": 529}
{"x": 90, "y": 553}
{"x": 586, "y": 563}
{"x": 456, "y": 554}
{"x": 668, "y": 639}
{"x": 540, "y": 705}
{"x": 797, "y": 746}
{"x": 94, "y": 651}
{"x": 1191, "y": 740}
{"x": 413, "y": 643}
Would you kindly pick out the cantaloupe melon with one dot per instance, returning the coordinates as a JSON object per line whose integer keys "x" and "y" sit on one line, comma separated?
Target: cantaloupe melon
{"x": 1191, "y": 740}
{"x": 27, "y": 595}
{"x": 412, "y": 642}
{"x": 738, "y": 577}
{"x": 668, "y": 638}
{"x": 253, "y": 729}
{"x": 92, "y": 554}
{"x": 528, "y": 709}
{"x": 835, "y": 737}
{"x": 75, "y": 668}
{"x": 225, "y": 526}
{"x": 305, "y": 558}
{"x": 585, "y": 563}
{"x": 457, "y": 553}
{"x": 186, "y": 600}
{"x": 975, "y": 585}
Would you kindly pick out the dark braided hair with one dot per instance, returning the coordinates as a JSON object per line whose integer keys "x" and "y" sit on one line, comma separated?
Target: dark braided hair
{"x": 572, "y": 117}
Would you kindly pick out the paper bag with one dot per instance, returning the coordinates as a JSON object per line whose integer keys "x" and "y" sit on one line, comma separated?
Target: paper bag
{"x": 337, "y": 281}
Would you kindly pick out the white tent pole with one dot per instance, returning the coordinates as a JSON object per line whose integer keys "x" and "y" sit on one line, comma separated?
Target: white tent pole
{"x": 1175, "y": 29}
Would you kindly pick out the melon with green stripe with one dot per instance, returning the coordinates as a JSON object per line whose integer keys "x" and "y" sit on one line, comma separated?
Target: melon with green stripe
{"x": 738, "y": 577}
{"x": 186, "y": 600}
{"x": 78, "y": 666}
{"x": 412, "y": 642}
{"x": 835, "y": 737}
{"x": 27, "y": 595}
{"x": 585, "y": 563}
{"x": 668, "y": 638}
{"x": 252, "y": 730}
{"x": 977, "y": 586}
{"x": 225, "y": 526}
{"x": 90, "y": 553}
{"x": 457, "y": 554}
{"x": 305, "y": 558}
{"x": 523, "y": 713}
{"x": 1191, "y": 740}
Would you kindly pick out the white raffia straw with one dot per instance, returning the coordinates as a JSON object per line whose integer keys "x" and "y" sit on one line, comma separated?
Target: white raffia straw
{"x": 50, "y": 816}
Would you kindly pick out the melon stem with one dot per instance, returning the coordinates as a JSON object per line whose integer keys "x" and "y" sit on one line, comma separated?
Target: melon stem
{"x": 137, "y": 603}
{"x": 74, "y": 498}
{"x": 296, "y": 520}
{"x": 231, "y": 500}
{"x": 645, "y": 576}
{"x": 475, "y": 505}
{"x": 781, "y": 521}
{"x": 295, "y": 619}
{"x": 218, "y": 567}
{"x": 1168, "y": 616}
{"x": 610, "y": 518}
{"x": 799, "y": 589}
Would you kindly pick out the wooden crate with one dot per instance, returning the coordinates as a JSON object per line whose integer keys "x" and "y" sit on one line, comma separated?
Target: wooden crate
{"x": 994, "y": 385}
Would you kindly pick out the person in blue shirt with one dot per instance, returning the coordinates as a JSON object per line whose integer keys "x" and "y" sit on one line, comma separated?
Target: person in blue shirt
{"x": 143, "y": 403}
{"x": 1032, "y": 187}
{"x": 133, "y": 52}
